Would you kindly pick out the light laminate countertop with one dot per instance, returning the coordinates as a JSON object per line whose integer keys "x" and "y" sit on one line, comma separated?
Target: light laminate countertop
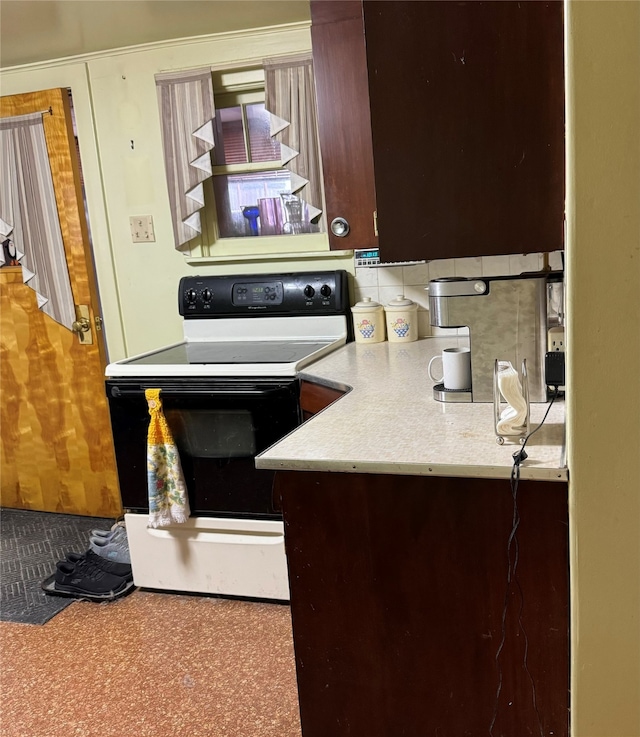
{"x": 389, "y": 422}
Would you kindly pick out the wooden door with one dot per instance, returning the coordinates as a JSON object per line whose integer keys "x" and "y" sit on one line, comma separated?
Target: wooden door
{"x": 57, "y": 449}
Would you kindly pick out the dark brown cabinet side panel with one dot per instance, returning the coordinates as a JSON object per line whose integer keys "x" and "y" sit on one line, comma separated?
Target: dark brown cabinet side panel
{"x": 315, "y": 397}
{"x": 467, "y": 111}
{"x": 344, "y": 122}
{"x": 400, "y": 600}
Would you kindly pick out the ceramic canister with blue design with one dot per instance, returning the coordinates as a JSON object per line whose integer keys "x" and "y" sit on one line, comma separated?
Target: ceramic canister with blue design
{"x": 368, "y": 321}
{"x": 402, "y": 320}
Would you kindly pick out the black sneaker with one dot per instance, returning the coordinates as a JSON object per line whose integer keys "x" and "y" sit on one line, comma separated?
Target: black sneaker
{"x": 84, "y": 578}
{"x": 123, "y": 570}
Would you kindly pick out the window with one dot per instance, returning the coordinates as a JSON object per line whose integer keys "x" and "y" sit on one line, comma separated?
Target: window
{"x": 252, "y": 189}
{"x": 242, "y": 159}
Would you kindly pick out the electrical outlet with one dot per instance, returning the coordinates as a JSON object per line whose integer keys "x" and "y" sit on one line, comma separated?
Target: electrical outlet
{"x": 142, "y": 229}
{"x": 555, "y": 339}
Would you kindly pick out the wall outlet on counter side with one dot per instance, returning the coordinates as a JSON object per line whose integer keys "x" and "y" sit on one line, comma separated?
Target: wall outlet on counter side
{"x": 555, "y": 339}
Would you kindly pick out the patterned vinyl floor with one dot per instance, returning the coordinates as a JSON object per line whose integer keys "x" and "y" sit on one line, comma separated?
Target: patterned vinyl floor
{"x": 151, "y": 665}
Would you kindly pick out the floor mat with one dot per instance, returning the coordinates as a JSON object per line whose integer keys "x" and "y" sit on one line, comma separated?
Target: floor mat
{"x": 30, "y": 545}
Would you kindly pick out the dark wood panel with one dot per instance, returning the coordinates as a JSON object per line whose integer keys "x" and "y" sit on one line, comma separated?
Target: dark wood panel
{"x": 399, "y": 586}
{"x": 467, "y": 110}
{"x": 344, "y": 122}
{"x": 335, "y": 11}
{"x": 315, "y": 397}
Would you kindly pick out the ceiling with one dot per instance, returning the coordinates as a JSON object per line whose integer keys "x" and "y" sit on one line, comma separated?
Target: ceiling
{"x": 41, "y": 30}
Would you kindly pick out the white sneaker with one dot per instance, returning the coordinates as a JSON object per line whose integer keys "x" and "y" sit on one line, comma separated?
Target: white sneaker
{"x": 116, "y": 530}
{"x": 114, "y": 549}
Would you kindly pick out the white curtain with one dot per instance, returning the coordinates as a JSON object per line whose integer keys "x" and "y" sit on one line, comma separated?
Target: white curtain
{"x": 290, "y": 97}
{"x": 29, "y": 214}
{"x": 186, "y": 113}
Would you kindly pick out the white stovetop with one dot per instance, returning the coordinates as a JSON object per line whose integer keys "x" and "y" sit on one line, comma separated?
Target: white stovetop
{"x": 315, "y": 335}
{"x": 390, "y": 423}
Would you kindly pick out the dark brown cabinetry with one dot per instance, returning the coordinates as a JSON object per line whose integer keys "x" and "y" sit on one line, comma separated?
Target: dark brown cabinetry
{"x": 315, "y": 397}
{"x": 344, "y": 122}
{"x": 465, "y": 106}
{"x": 406, "y": 620}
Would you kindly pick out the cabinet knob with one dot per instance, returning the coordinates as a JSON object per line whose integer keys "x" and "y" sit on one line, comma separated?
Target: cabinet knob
{"x": 339, "y": 227}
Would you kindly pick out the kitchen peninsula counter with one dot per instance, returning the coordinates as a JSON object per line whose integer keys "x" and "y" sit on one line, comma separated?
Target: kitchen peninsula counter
{"x": 429, "y": 594}
{"x": 389, "y": 423}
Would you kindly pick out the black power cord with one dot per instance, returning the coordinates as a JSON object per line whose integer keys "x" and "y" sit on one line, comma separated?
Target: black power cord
{"x": 521, "y": 455}
{"x": 518, "y": 457}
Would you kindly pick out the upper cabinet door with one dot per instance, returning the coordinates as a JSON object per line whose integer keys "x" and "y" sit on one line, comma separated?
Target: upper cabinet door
{"x": 467, "y": 111}
{"x": 466, "y": 106}
{"x": 344, "y": 122}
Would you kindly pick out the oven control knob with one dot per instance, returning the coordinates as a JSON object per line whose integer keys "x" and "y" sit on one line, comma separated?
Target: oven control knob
{"x": 191, "y": 295}
{"x": 309, "y": 291}
{"x": 206, "y": 295}
{"x": 325, "y": 290}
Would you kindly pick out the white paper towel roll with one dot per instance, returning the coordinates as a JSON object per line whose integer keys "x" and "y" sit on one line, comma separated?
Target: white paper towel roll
{"x": 513, "y": 417}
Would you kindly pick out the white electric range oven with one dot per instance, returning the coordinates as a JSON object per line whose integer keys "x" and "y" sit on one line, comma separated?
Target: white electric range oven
{"x": 229, "y": 391}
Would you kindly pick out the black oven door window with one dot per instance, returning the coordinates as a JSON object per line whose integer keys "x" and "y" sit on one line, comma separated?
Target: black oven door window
{"x": 211, "y": 433}
{"x": 219, "y": 428}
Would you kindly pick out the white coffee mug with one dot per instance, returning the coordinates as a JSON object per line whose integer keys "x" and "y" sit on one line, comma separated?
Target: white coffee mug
{"x": 456, "y": 369}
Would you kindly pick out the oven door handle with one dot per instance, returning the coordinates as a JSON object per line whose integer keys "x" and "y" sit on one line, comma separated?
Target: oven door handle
{"x": 227, "y": 389}
{"x": 229, "y": 537}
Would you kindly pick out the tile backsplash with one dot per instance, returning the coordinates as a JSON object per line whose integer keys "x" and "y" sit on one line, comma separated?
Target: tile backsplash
{"x": 383, "y": 283}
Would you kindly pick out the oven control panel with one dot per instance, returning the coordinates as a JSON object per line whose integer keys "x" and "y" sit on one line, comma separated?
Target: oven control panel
{"x": 257, "y": 293}
{"x": 303, "y": 293}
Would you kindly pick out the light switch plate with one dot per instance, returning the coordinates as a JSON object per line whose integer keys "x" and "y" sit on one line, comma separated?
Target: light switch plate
{"x": 142, "y": 229}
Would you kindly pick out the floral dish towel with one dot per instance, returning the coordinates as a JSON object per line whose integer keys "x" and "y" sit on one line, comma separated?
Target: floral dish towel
{"x": 168, "y": 501}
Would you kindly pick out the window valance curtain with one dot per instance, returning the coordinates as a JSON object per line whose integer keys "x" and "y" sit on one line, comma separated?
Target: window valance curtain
{"x": 187, "y": 111}
{"x": 290, "y": 97}
{"x": 29, "y": 215}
